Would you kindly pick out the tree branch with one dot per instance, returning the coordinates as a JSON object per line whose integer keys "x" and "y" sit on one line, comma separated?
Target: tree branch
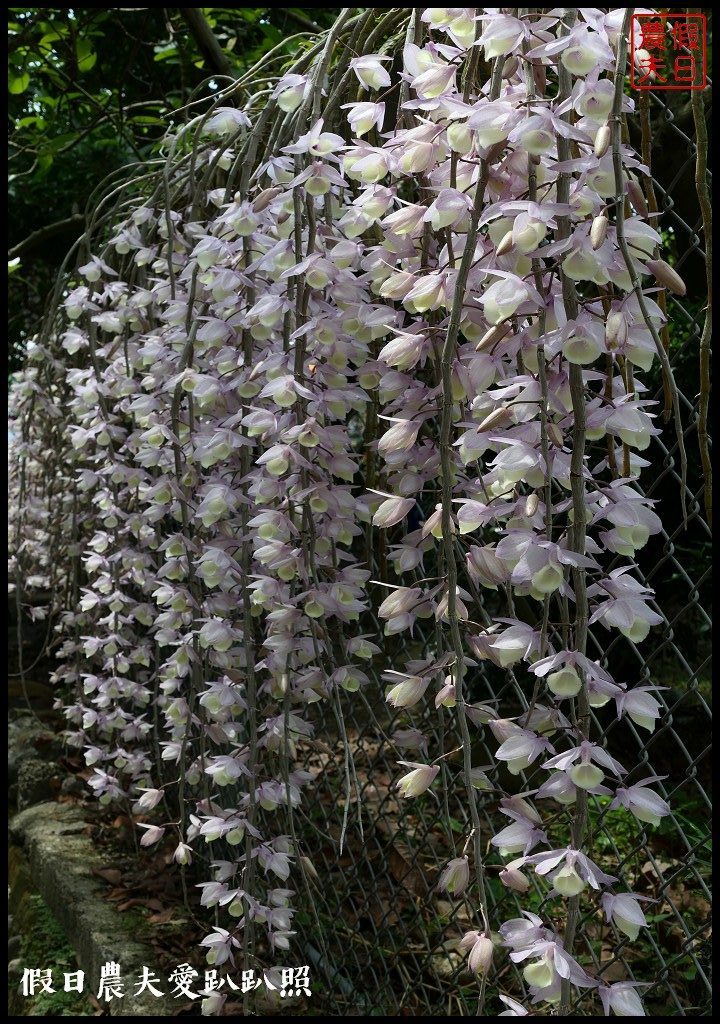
{"x": 216, "y": 58}
{"x": 43, "y": 234}
{"x": 300, "y": 19}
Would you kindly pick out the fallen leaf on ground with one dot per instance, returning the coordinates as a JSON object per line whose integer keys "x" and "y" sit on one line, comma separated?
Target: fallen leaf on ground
{"x": 139, "y": 901}
{"x": 110, "y": 875}
{"x": 164, "y": 917}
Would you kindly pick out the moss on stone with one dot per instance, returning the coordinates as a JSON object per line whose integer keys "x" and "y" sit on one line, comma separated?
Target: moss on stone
{"x": 43, "y": 945}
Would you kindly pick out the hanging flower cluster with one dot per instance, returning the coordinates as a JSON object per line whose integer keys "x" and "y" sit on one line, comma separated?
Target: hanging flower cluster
{"x": 368, "y": 301}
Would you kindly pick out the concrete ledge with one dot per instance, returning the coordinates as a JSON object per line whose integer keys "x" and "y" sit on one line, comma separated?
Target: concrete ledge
{"x": 61, "y": 858}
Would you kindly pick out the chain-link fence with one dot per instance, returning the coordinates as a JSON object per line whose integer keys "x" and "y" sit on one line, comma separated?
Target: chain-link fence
{"x": 379, "y": 935}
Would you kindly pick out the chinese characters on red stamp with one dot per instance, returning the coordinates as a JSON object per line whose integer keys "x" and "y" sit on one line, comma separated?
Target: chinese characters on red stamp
{"x": 668, "y": 51}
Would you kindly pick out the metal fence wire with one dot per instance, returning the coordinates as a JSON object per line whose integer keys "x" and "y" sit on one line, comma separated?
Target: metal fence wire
{"x": 380, "y": 937}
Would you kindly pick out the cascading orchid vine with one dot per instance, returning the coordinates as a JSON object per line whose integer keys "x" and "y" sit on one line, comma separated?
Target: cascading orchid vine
{"x": 326, "y": 320}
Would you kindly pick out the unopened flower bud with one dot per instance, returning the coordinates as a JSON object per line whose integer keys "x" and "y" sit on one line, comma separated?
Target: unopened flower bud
{"x": 264, "y": 198}
{"x": 183, "y": 854}
{"x": 407, "y": 692}
{"x": 400, "y": 437}
{"x": 625, "y": 911}
{"x": 455, "y": 877}
{"x": 665, "y": 275}
{"x": 555, "y": 434}
{"x": 602, "y": 141}
{"x": 512, "y": 878}
{"x": 392, "y": 511}
{"x": 152, "y": 835}
{"x": 480, "y": 951}
{"x": 418, "y": 780}
{"x": 506, "y": 244}
{"x": 510, "y": 66}
{"x": 637, "y": 198}
{"x": 615, "y": 330}
{"x": 496, "y": 333}
{"x": 501, "y": 417}
{"x": 479, "y": 780}
{"x": 598, "y": 231}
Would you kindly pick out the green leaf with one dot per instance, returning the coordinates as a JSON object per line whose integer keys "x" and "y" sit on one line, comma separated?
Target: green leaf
{"x": 86, "y": 56}
{"x": 163, "y": 52}
{"x": 35, "y": 119}
{"x": 47, "y": 101}
{"x": 18, "y": 83}
{"x": 55, "y": 29}
{"x": 46, "y": 43}
{"x": 44, "y": 163}
{"x": 55, "y": 144}
{"x": 13, "y": 265}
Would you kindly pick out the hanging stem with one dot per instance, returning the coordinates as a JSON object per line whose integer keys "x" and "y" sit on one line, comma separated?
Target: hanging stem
{"x": 616, "y": 119}
{"x": 447, "y": 481}
{"x": 703, "y": 194}
{"x": 577, "y": 484}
